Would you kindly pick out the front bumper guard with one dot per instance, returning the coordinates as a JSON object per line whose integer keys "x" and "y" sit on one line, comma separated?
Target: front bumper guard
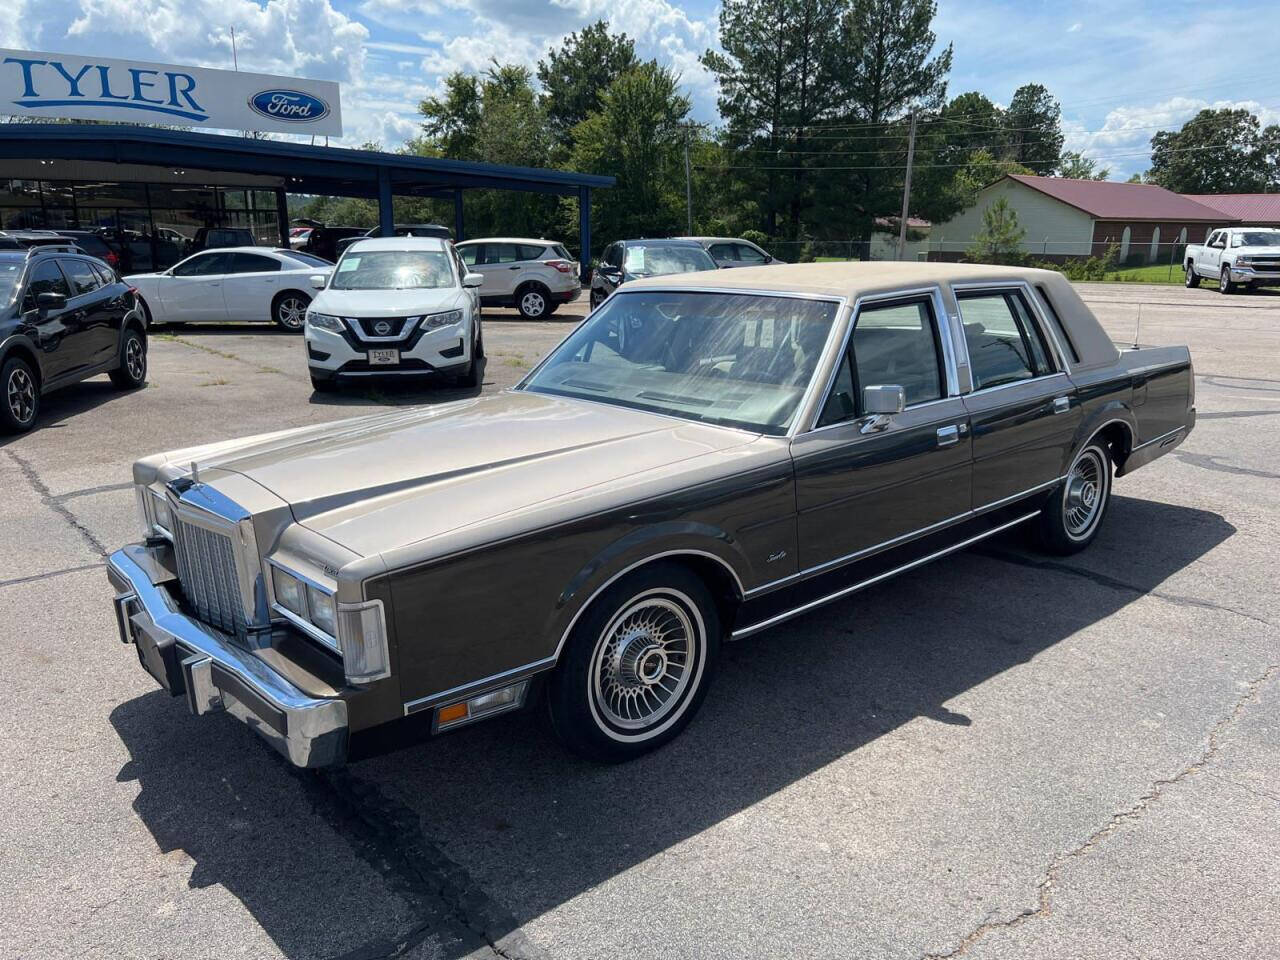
{"x": 216, "y": 673}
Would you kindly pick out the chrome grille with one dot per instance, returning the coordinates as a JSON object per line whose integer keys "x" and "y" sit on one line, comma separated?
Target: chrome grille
{"x": 208, "y": 575}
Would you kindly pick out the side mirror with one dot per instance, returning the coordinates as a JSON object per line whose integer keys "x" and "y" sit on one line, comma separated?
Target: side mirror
{"x": 50, "y": 301}
{"x": 884, "y": 400}
{"x": 472, "y": 279}
{"x": 318, "y": 280}
{"x": 610, "y": 273}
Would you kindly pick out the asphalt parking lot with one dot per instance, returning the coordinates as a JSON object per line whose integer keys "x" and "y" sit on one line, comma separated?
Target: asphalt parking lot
{"x": 998, "y": 755}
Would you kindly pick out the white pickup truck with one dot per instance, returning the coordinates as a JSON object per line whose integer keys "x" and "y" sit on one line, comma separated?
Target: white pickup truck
{"x": 1236, "y": 257}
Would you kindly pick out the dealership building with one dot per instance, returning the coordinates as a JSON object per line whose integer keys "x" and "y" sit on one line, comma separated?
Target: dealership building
{"x": 158, "y": 187}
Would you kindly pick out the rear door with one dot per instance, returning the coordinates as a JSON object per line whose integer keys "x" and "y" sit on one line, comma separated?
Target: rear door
{"x": 252, "y": 280}
{"x": 97, "y": 336}
{"x": 55, "y": 330}
{"x": 862, "y": 485}
{"x": 1022, "y": 407}
{"x": 192, "y": 291}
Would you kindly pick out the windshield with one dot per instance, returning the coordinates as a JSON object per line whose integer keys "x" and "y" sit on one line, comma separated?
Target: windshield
{"x": 10, "y": 274}
{"x": 393, "y": 270}
{"x": 659, "y": 259}
{"x": 1257, "y": 238}
{"x": 742, "y": 360}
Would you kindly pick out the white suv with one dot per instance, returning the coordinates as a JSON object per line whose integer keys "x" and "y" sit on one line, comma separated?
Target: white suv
{"x": 400, "y": 307}
{"x": 534, "y": 276}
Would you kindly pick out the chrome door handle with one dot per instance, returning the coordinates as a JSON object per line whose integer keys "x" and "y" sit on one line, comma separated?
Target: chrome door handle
{"x": 1061, "y": 404}
{"x": 948, "y": 435}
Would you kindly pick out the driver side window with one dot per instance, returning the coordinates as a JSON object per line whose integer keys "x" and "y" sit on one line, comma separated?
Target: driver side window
{"x": 203, "y": 265}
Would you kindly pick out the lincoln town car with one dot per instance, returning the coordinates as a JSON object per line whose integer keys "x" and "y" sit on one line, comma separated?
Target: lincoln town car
{"x": 705, "y": 456}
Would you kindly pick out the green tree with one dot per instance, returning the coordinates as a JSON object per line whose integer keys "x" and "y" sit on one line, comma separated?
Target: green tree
{"x": 1217, "y": 151}
{"x": 449, "y": 122}
{"x": 1000, "y": 239}
{"x": 981, "y": 170}
{"x": 1033, "y": 129}
{"x": 1076, "y": 166}
{"x": 775, "y": 84}
{"x": 573, "y": 76}
{"x": 884, "y": 67}
{"x": 637, "y": 136}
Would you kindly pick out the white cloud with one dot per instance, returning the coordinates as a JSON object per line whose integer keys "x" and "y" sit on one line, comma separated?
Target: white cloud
{"x": 1075, "y": 27}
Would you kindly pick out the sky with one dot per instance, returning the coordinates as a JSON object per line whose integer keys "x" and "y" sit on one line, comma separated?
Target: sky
{"x": 1120, "y": 70}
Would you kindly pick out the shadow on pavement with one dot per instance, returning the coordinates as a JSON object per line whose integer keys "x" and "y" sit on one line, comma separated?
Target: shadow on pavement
{"x": 480, "y": 831}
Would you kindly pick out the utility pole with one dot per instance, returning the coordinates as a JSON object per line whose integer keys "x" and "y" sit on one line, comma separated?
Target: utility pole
{"x": 906, "y": 190}
{"x": 235, "y": 61}
{"x": 688, "y": 184}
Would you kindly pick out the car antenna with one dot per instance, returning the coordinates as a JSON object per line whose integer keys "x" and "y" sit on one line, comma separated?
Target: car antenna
{"x": 1138, "y": 326}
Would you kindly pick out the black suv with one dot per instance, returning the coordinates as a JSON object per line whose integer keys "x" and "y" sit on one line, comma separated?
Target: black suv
{"x": 628, "y": 259}
{"x": 64, "y": 317}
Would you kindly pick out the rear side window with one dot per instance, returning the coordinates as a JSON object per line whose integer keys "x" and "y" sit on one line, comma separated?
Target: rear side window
{"x": 749, "y": 254}
{"x": 307, "y": 260}
{"x": 253, "y": 263}
{"x": 81, "y": 275}
{"x": 723, "y": 251}
{"x": 105, "y": 273}
{"x": 530, "y": 252}
{"x": 45, "y": 278}
{"x": 469, "y": 254}
{"x": 1005, "y": 346}
{"x": 561, "y": 252}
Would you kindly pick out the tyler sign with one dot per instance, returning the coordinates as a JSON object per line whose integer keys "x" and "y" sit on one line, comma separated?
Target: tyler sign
{"x": 98, "y": 88}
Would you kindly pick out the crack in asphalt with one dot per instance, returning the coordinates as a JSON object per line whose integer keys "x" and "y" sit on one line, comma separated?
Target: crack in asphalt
{"x": 51, "y": 573}
{"x": 54, "y": 503}
{"x": 1115, "y": 584}
{"x": 1052, "y": 875}
{"x": 446, "y": 900}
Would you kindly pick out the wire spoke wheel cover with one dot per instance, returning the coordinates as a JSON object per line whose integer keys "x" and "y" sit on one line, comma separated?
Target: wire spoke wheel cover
{"x": 645, "y": 663}
{"x": 1085, "y": 494}
{"x": 21, "y": 390}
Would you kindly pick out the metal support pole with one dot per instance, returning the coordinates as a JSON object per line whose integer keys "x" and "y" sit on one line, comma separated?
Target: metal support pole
{"x": 688, "y": 184}
{"x": 282, "y": 214}
{"x": 906, "y": 190}
{"x": 459, "y": 222}
{"x": 386, "y": 212}
{"x": 584, "y": 233}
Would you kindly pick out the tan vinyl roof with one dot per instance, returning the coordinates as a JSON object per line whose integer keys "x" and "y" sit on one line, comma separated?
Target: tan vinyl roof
{"x": 836, "y": 279}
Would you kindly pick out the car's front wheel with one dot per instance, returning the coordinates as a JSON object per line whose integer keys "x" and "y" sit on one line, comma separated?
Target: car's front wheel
{"x": 1070, "y": 520}
{"x": 1192, "y": 279}
{"x": 1225, "y": 283}
{"x": 637, "y": 665}
{"x": 21, "y": 396}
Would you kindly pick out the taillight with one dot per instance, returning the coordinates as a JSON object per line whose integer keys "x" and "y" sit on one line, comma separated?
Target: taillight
{"x": 112, "y": 259}
{"x": 564, "y": 266}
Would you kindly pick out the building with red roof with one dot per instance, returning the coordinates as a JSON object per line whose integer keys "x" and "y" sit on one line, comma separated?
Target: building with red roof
{"x": 1245, "y": 209}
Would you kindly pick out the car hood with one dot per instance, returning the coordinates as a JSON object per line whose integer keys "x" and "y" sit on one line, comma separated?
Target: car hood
{"x": 378, "y": 483}
{"x": 386, "y": 303}
{"x": 1257, "y": 251}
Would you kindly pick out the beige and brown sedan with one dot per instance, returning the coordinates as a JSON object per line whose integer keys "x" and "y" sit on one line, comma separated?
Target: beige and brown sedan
{"x": 705, "y": 456}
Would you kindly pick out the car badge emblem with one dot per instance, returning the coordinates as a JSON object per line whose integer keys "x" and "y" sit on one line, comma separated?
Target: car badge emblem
{"x": 382, "y": 328}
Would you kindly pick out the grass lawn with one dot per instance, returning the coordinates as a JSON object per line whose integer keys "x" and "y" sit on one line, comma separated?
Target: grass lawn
{"x": 1159, "y": 273}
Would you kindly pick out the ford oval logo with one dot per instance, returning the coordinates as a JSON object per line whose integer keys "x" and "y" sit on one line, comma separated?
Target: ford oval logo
{"x": 292, "y": 106}
{"x": 382, "y": 328}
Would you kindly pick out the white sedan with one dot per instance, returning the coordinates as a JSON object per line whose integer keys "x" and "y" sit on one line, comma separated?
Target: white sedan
{"x": 232, "y": 284}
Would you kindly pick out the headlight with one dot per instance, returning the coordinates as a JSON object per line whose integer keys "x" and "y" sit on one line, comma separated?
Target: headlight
{"x": 291, "y": 593}
{"x": 320, "y": 606}
{"x": 324, "y": 321}
{"x": 162, "y": 514}
{"x": 441, "y": 319}
{"x": 153, "y": 513}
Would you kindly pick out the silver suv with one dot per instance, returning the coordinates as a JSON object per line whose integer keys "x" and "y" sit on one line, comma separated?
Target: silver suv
{"x": 534, "y": 276}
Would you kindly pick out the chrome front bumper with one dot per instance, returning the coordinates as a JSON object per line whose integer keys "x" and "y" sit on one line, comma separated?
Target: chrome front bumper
{"x": 216, "y": 673}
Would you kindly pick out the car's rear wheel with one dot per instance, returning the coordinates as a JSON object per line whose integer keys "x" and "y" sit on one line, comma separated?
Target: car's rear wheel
{"x": 1193, "y": 279}
{"x": 533, "y": 302}
{"x": 21, "y": 396}
{"x": 132, "y": 372}
{"x": 1225, "y": 283}
{"x": 1071, "y": 518}
{"x": 289, "y": 310}
{"x": 637, "y": 665}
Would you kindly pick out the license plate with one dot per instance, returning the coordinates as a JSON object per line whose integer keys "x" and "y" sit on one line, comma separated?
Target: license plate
{"x": 383, "y": 357}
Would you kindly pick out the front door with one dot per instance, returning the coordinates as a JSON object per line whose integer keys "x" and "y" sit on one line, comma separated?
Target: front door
{"x": 192, "y": 291}
{"x": 864, "y": 483}
{"x": 1023, "y": 408}
{"x": 55, "y": 331}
